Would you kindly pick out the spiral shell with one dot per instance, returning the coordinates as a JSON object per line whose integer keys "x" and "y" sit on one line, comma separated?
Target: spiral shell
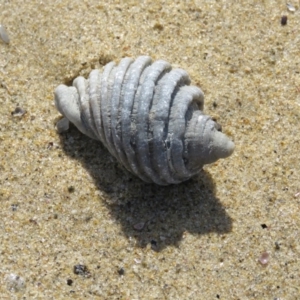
{"x": 148, "y": 117}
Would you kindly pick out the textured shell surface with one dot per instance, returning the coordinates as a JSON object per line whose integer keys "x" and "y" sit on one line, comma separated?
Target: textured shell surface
{"x": 148, "y": 117}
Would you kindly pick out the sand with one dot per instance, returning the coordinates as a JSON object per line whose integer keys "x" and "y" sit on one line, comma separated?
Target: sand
{"x": 75, "y": 225}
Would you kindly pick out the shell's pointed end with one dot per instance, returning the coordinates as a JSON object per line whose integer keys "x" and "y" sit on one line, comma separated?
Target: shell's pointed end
{"x": 66, "y": 102}
{"x": 222, "y": 146}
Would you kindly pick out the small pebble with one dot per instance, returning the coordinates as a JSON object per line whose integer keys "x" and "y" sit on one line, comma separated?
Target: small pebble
{"x": 121, "y": 271}
{"x": 50, "y": 145}
{"x": 139, "y": 226}
{"x": 158, "y": 27}
{"x": 18, "y": 112}
{"x": 81, "y": 270}
{"x": 14, "y": 283}
{"x": 264, "y": 258}
{"x": 14, "y": 207}
{"x": 71, "y": 189}
{"x": 290, "y": 7}
{"x": 3, "y": 34}
{"x": 62, "y": 125}
{"x": 283, "y": 20}
{"x": 69, "y": 282}
{"x": 153, "y": 244}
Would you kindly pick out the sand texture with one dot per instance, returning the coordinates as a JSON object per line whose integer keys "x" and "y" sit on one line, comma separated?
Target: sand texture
{"x": 75, "y": 225}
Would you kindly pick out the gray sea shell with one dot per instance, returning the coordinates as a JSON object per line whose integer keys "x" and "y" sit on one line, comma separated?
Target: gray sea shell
{"x": 3, "y": 34}
{"x": 148, "y": 117}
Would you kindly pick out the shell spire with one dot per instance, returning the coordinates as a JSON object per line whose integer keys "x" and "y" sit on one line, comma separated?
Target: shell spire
{"x": 148, "y": 117}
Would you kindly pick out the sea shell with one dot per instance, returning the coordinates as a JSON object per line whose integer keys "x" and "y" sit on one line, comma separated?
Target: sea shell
{"x": 3, "y": 34}
{"x": 148, "y": 117}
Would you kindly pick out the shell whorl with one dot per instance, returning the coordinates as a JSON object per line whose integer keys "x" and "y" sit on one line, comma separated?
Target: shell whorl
{"x": 147, "y": 116}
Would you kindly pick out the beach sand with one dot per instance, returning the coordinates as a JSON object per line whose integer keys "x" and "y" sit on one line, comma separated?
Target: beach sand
{"x": 75, "y": 225}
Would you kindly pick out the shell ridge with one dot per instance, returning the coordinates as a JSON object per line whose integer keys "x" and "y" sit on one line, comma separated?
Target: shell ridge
{"x": 177, "y": 127}
{"x": 128, "y": 101}
{"x": 155, "y": 72}
{"x": 134, "y": 123}
{"x": 198, "y": 122}
{"x": 115, "y": 104}
{"x": 202, "y": 120}
{"x": 95, "y": 99}
{"x": 118, "y": 127}
{"x": 88, "y": 110}
{"x": 160, "y": 110}
{"x": 104, "y": 101}
{"x": 186, "y": 96}
{"x": 81, "y": 85}
{"x": 195, "y": 134}
{"x": 107, "y": 115}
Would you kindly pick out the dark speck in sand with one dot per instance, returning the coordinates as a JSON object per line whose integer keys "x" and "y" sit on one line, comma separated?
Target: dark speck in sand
{"x": 153, "y": 244}
{"x": 69, "y": 282}
{"x": 121, "y": 271}
{"x": 81, "y": 270}
{"x": 71, "y": 189}
{"x": 14, "y": 207}
{"x": 283, "y": 20}
{"x": 18, "y": 112}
